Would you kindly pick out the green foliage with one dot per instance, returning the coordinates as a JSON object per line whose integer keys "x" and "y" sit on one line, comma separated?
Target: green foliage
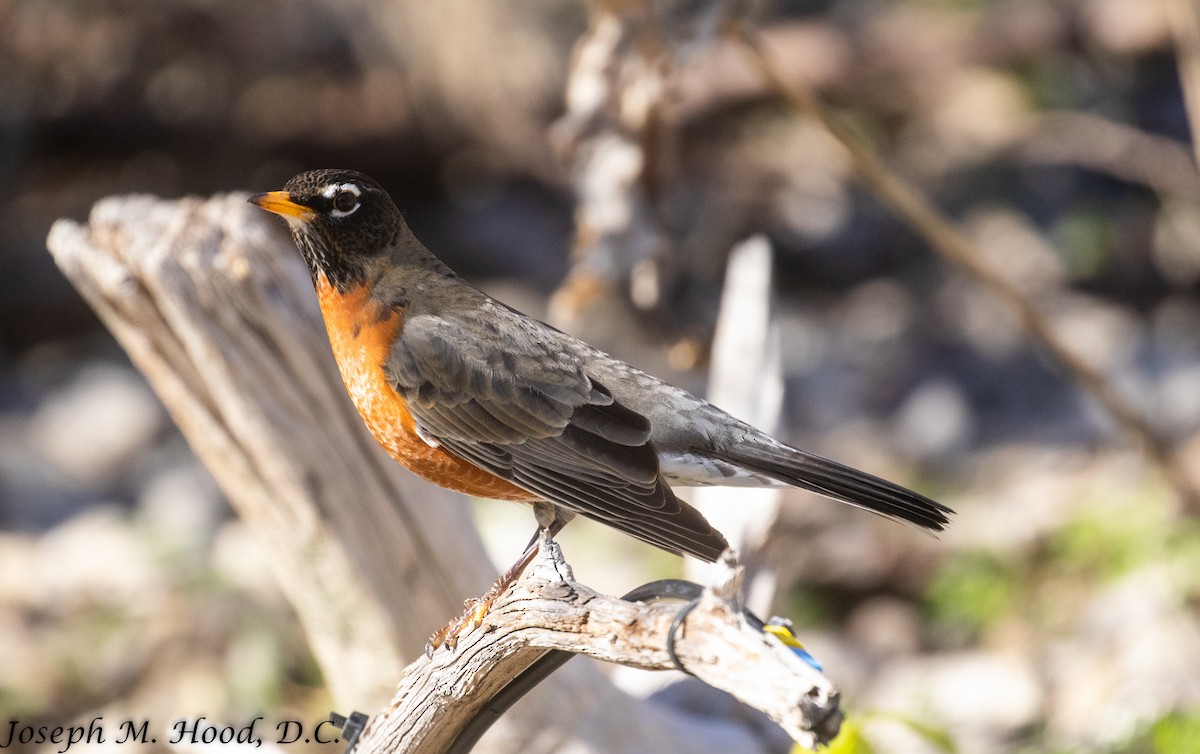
{"x": 1053, "y": 82}
{"x": 807, "y": 607}
{"x": 256, "y": 667}
{"x": 1175, "y": 733}
{"x": 1085, "y": 238}
{"x": 972, "y": 590}
{"x": 1178, "y": 733}
{"x": 1104, "y": 541}
{"x": 852, "y": 738}
{"x": 1107, "y": 541}
{"x": 18, "y": 702}
{"x": 939, "y": 738}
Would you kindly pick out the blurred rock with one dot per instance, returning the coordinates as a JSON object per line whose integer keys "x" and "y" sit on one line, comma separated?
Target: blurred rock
{"x": 1130, "y": 659}
{"x": 98, "y": 423}
{"x": 1173, "y": 323}
{"x": 1025, "y": 493}
{"x": 978, "y": 319}
{"x": 33, "y": 493}
{"x": 28, "y": 679}
{"x": 18, "y": 560}
{"x": 885, "y": 627}
{"x": 983, "y": 698}
{"x": 876, "y": 313}
{"x": 1176, "y": 238}
{"x": 934, "y": 420}
{"x": 182, "y": 507}
{"x": 974, "y": 115}
{"x": 95, "y": 558}
{"x": 1107, "y": 336}
{"x": 238, "y": 560}
{"x": 1018, "y": 250}
{"x": 97, "y": 618}
{"x": 1126, "y": 26}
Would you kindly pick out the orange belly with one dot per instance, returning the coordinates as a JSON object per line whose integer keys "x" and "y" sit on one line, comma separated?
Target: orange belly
{"x": 361, "y": 334}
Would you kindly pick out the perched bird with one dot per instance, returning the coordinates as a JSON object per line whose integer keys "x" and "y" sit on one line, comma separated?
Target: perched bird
{"x": 475, "y": 396}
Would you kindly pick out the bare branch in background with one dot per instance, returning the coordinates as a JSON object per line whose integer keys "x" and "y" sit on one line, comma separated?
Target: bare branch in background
{"x": 1184, "y": 16}
{"x": 1161, "y": 164}
{"x": 616, "y": 145}
{"x": 918, "y": 211}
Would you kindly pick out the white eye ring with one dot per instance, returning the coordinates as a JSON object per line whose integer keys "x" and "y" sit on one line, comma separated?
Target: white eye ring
{"x": 333, "y": 189}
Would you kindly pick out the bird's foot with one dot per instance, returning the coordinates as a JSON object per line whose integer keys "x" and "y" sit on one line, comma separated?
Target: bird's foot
{"x": 475, "y": 610}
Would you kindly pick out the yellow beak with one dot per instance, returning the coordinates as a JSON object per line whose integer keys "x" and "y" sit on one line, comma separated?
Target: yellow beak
{"x": 280, "y": 202}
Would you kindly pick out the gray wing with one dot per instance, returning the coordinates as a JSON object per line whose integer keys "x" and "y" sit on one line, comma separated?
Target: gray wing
{"x": 517, "y": 401}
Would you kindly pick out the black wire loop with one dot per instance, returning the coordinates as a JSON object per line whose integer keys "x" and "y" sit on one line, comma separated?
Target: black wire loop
{"x": 676, "y": 624}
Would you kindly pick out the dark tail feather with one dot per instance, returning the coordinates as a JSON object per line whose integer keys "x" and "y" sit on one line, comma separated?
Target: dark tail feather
{"x": 832, "y": 479}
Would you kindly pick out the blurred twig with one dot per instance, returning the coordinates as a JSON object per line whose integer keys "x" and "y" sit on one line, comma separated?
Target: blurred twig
{"x": 1162, "y": 164}
{"x": 610, "y": 139}
{"x": 944, "y": 236}
{"x": 618, "y": 146}
{"x": 1184, "y": 16}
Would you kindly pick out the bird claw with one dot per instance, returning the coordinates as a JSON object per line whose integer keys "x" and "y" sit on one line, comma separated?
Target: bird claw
{"x": 477, "y": 609}
{"x": 474, "y": 612}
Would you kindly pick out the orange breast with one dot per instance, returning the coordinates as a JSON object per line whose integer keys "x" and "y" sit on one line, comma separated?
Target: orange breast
{"x": 361, "y": 332}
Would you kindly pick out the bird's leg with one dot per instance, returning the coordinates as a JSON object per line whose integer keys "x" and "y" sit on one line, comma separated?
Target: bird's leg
{"x": 551, "y": 520}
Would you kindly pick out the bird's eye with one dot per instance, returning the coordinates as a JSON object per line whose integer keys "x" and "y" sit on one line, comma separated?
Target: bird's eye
{"x": 345, "y": 201}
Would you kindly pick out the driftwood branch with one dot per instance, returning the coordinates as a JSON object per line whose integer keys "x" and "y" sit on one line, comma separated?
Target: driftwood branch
{"x": 746, "y": 379}
{"x": 548, "y": 610}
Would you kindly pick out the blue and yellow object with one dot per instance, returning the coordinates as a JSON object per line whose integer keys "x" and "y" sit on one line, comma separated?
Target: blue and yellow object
{"x": 781, "y": 628}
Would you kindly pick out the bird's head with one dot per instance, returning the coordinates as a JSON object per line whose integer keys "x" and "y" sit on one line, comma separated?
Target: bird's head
{"x": 341, "y": 220}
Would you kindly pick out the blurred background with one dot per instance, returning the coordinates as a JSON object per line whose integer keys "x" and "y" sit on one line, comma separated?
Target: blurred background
{"x": 1058, "y": 614}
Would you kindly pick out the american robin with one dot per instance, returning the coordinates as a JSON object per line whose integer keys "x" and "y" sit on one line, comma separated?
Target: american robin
{"x": 475, "y": 396}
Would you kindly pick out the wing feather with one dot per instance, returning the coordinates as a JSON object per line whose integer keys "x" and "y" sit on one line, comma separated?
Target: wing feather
{"x": 525, "y": 409}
